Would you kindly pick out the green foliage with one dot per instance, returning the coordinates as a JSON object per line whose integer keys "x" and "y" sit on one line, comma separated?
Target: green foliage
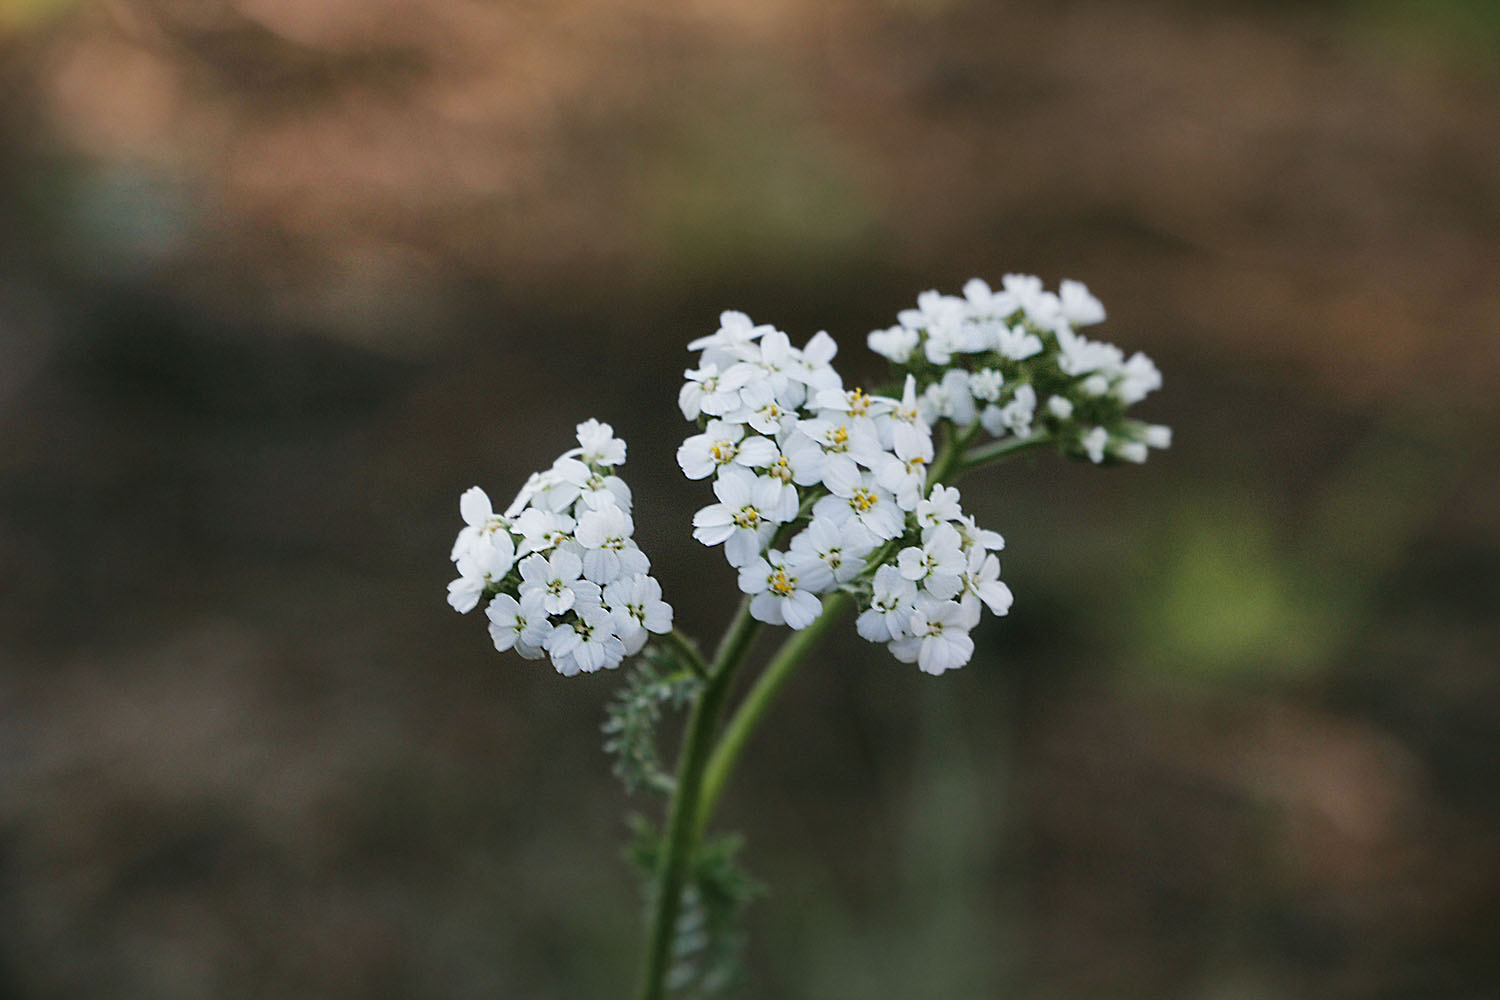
{"x": 709, "y": 942}
{"x": 658, "y": 679}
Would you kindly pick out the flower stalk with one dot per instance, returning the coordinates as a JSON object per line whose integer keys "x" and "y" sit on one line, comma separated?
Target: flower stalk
{"x": 682, "y": 830}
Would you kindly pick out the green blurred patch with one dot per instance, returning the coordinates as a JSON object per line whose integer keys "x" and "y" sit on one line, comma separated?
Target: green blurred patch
{"x": 1250, "y": 583}
{"x": 1448, "y": 32}
{"x": 1230, "y": 599}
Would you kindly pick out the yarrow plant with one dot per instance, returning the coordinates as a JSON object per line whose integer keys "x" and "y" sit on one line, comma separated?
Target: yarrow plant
{"x": 826, "y": 497}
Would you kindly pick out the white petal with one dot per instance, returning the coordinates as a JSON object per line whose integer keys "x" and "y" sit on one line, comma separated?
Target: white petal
{"x": 741, "y": 547}
{"x": 475, "y": 506}
{"x": 801, "y": 609}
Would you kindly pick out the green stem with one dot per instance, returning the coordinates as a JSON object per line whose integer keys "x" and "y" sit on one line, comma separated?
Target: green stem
{"x": 681, "y": 834}
{"x": 757, "y": 702}
{"x": 1001, "y": 449}
{"x": 688, "y": 650}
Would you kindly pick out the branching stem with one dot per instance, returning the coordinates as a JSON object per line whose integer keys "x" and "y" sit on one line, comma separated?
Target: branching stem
{"x": 687, "y": 649}
{"x": 1000, "y": 449}
{"x": 681, "y": 833}
{"x": 757, "y": 702}
{"x": 704, "y": 767}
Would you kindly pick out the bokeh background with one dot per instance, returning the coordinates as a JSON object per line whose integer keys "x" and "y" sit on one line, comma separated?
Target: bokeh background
{"x": 280, "y": 278}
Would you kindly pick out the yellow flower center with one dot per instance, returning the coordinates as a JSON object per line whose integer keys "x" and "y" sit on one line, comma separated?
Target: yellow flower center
{"x": 722, "y": 451}
{"x": 747, "y": 517}
{"x": 859, "y": 402}
{"x": 780, "y": 583}
{"x": 863, "y": 500}
{"x": 840, "y": 435}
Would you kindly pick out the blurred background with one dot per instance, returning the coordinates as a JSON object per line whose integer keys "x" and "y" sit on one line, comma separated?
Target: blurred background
{"x": 278, "y": 280}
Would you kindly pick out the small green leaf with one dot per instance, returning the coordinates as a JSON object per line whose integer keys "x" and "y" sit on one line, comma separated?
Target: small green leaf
{"x": 658, "y": 679}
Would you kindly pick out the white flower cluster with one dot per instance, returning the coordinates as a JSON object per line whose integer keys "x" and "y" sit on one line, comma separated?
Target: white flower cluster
{"x": 1011, "y": 361}
{"x": 567, "y": 579}
{"x": 820, "y": 487}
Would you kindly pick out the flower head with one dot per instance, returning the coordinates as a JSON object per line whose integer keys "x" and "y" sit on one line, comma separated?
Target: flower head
{"x": 549, "y": 565}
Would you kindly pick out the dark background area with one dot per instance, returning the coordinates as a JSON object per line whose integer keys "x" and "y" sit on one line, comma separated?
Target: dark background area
{"x": 279, "y": 280}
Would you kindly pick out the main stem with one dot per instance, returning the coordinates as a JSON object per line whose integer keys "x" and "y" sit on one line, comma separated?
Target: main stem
{"x": 682, "y": 829}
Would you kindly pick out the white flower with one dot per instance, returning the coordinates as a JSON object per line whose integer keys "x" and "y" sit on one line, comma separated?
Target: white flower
{"x": 608, "y": 552}
{"x": 890, "y": 609}
{"x": 1095, "y": 385}
{"x": 1077, "y": 355}
{"x": 1042, "y": 307}
{"x": 521, "y": 624}
{"x": 562, "y": 484}
{"x": 542, "y": 529}
{"x": 587, "y": 643}
{"x": 1093, "y": 443}
{"x": 783, "y": 589}
{"x": 710, "y": 391}
{"x": 1078, "y": 306}
{"x": 1015, "y": 416}
{"x": 1157, "y": 436}
{"x": 1138, "y": 378}
{"x": 720, "y": 444}
{"x": 981, "y": 582}
{"x": 895, "y": 344}
{"x": 854, "y": 439}
{"x": 842, "y": 548}
{"x": 976, "y": 537}
{"x": 799, "y": 461}
{"x": 860, "y": 498}
{"x": 949, "y": 399}
{"x": 1060, "y": 407}
{"x": 599, "y": 444}
{"x": 987, "y": 305}
{"x": 555, "y": 578}
{"x": 766, "y": 414}
{"x": 1017, "y": 343}
{"x": 638, "y": 609}
{"x": 604, "y": 491}
{"x": 736, "y": 333}
{"x": 940, "y": 507}
{"x": 779, "y": 366}
{"x": 904, "y": 479}
{"x": 941, "y": 318}
{"x": 477, "y": 571}
{"x": 939, "y": 637}
{"x": 533, "y": 485}
{"x": 937, "y": 565}
{"x": 985, "y": 384}
{"x": 852, "y": 403}
{"x": 812, "y": 366}
{"x": 485, "y": 536}
{"x": 903, "y": 430}
{"x": 744, "y": 518}
{"x": 464, "y": 592}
